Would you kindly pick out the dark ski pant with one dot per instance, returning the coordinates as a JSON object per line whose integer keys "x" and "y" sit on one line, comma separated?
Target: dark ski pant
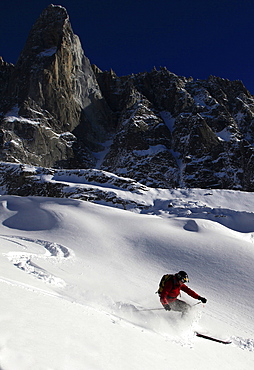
{"x": 179, "y": 306}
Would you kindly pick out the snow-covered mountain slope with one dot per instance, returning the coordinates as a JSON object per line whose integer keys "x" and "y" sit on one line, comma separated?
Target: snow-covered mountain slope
{"x": 77, "y": 282}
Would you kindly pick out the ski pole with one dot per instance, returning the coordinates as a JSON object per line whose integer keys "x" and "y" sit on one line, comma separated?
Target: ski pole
{"x": 152, "y": 309}
{"x": 162, "y": 308}
{"x": 195, "y": 304}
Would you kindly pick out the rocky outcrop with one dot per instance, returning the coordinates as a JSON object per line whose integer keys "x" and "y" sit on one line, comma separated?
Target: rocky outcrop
{"x": 88, "y": 185}
{"x": 163, "y": 130}
{"x": 174, "y": 131}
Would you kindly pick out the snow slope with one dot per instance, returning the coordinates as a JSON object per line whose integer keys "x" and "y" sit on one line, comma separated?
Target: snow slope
{"x": 77, "y": 281}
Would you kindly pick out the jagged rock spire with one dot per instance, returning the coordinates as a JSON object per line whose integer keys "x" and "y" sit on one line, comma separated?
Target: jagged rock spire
{"x": 53, "y": 81}
{"x": 47, "y": 32}
{"x": 53, "y": 71}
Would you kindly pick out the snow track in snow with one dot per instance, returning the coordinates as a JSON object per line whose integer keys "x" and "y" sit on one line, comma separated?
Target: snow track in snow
{"x": 23, "y": 260}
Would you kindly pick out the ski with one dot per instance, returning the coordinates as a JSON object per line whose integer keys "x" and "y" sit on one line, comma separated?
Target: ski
{"x": 212, "y": 338}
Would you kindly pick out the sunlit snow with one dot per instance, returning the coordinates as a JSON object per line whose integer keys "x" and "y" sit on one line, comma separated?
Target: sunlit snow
{"x": 78, "y": 282}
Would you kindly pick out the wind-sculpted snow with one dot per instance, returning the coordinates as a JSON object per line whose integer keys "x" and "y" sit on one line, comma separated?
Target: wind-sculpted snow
{"x": 240, "y": 221}
{"x": 22, "y": 219}
{"x": 105, "y": 188}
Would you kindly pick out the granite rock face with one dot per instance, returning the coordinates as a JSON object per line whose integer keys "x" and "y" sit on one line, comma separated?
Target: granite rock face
{"x": 53, "y": 93}
{"x": 163, "y": 130}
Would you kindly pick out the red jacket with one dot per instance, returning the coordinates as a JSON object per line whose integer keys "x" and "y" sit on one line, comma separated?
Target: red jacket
{"x": 172, "y": 289}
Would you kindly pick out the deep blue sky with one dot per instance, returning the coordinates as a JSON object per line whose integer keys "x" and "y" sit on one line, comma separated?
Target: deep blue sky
{"x": 190, "y": 37}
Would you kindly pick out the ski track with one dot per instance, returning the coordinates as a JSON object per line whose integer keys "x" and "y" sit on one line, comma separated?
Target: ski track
{"x": 23, "y": 260}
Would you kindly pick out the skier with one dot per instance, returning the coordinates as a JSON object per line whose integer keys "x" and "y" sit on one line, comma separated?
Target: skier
{"x": 171, "y": 290}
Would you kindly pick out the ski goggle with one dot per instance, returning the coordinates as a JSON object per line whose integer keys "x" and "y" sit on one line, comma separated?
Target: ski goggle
{"x": 184, "y": 279}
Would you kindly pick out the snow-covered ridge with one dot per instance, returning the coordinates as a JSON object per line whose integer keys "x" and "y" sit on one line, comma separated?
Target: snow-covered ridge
{"x": 105, "y": 188}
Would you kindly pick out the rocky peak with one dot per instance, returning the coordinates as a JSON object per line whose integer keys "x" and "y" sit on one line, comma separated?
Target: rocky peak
{"x": 53, "y": 71}
{"x": 53, "y": 83}
{"x": 47, "y": 32}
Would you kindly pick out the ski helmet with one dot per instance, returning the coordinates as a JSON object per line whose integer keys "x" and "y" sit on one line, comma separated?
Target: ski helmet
{"x": 182, "y": 276}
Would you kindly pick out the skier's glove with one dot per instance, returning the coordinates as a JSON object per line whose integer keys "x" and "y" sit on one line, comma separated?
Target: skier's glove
{"x": 202, "y": 299}
{"x": 167, "y": 307}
